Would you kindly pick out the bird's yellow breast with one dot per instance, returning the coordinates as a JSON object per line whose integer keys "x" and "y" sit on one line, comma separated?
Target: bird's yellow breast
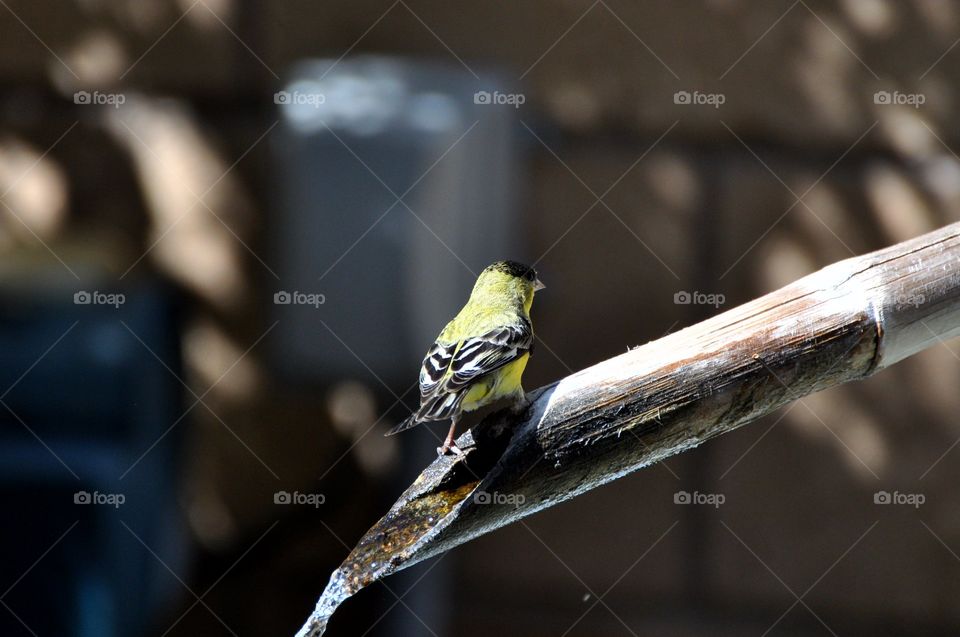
{"x": 500, "y": 384}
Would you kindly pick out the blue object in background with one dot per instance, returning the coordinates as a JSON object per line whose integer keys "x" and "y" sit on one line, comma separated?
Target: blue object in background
{"x": 82, "y": 400}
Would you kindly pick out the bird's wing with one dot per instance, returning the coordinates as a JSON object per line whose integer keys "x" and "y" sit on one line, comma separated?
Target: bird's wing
{"x": 449, "y": 369}
{"x": 435, "y": 366}
{"x": 478, "y": 356}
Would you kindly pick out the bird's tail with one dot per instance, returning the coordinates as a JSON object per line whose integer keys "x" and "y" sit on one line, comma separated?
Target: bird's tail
{"x": 439, "y": 407}
{"x": 412, "y": 421}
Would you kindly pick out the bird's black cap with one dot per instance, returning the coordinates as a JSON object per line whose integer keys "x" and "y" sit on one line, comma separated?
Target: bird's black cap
{"x": 514, "y": 268}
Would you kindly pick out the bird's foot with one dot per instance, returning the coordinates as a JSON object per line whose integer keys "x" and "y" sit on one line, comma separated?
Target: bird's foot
{"x": 452, "y": 448}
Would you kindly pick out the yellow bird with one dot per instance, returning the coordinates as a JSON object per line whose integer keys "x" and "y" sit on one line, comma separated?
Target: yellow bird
{"x": 480, "y": 355}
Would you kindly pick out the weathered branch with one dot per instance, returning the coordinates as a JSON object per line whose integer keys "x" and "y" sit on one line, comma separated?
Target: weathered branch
{"x": 842, "y": 323}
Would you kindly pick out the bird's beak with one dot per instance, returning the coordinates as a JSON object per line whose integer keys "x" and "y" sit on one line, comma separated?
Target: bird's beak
{"x": 538, "y": 285}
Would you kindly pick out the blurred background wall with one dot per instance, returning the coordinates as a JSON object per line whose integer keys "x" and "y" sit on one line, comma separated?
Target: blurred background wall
{"x": 187, "y": 451}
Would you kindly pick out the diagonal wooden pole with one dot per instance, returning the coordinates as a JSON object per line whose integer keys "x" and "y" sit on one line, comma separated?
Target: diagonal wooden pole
{"x": 842, "y": 323}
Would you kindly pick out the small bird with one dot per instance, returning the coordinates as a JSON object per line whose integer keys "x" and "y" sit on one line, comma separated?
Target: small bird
{"x": 480, "y": 355}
